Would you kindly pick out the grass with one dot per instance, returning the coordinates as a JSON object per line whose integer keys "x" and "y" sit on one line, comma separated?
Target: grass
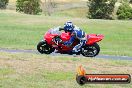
{"x": 20, "y": 31}
{"x": 20, "y": 70}
{"x": 73, "y": 12}
{"x": 59, "y": 0}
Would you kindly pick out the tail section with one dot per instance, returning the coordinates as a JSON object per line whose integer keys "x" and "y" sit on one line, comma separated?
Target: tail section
{"x": 93, "y": 38}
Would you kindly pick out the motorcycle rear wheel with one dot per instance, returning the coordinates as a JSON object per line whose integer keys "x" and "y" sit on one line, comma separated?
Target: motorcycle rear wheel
{"x": 90, "y": 50}
{"x": 44, "y": 48}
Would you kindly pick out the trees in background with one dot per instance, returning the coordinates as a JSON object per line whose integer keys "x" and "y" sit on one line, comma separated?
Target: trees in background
{"x": 130, "y": 1}
{"x": 48, "y": 6}
{"x": 35, "y": 6}
{"x": 124, "y": 11}
{"x": 3, "y": 4}
{"x": 101, "y": 9}
{"x": 28, "y": 6}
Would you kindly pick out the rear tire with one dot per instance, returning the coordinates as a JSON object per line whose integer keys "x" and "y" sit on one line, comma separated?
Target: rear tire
{"x": 90, "y": 50}
{"x": 44, "y": 48}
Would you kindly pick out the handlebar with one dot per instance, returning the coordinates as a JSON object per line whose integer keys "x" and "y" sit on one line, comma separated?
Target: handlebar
{"x": 61, "y": 29}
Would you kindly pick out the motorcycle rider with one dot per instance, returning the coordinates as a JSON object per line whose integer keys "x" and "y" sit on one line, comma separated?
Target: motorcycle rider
{"x": 76, "y": 33}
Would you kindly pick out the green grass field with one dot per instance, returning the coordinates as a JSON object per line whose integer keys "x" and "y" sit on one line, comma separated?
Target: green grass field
{"x": 20, "y": 31}
{"x": 21, "y": 70}
{"x": 72, "y": 13}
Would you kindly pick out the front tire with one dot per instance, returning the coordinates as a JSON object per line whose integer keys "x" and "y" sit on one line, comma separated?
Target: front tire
{"x": 44, "y": 48}
{"x": 90, "y": 50}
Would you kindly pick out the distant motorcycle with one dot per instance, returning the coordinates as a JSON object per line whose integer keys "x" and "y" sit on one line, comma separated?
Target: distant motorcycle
{"x": 53, "y": 39}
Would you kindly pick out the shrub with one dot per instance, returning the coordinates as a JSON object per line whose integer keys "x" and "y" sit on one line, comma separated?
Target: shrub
{"x": 124, "y": 12}
{"x": 3, "y": 4}
{"x": 28, "y": 6}
{"x": 130, "y": 1}
{"x": 101, "y": 9}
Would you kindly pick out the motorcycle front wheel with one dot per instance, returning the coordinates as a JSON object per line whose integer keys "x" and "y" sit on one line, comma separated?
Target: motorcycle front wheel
{"x": 44, "y": 48}
{"x": 90, "y": 50}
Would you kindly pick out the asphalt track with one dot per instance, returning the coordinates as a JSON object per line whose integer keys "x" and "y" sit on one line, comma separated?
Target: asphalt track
{"x": 57, "y": 54}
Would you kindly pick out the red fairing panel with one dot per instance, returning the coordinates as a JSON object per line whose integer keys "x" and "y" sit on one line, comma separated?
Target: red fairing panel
{"x": 93, "y": 38}
{"x": 65, "y": 36}
{"x": 48, "y": 37}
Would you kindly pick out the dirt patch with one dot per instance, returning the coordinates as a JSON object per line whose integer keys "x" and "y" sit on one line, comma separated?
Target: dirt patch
{"x": 31, "y": 63}
{"x": 35, "y": 65}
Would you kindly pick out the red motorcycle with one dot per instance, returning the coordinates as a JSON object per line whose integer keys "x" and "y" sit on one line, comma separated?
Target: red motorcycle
{"x": 54, "y": 38}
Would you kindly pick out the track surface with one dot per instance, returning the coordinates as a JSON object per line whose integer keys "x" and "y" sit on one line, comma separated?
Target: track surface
{"x": 57, "y": 54}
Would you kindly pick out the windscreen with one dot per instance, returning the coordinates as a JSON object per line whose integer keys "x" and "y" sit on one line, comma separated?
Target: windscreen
{"x": 55, "y": 31}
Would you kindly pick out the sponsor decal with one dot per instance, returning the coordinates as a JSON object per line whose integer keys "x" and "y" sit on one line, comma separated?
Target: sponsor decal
{"x": 83, "y": 78}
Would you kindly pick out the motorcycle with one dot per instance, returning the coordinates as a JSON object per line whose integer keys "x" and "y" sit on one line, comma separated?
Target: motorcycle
{"x": 54, "y": 39}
